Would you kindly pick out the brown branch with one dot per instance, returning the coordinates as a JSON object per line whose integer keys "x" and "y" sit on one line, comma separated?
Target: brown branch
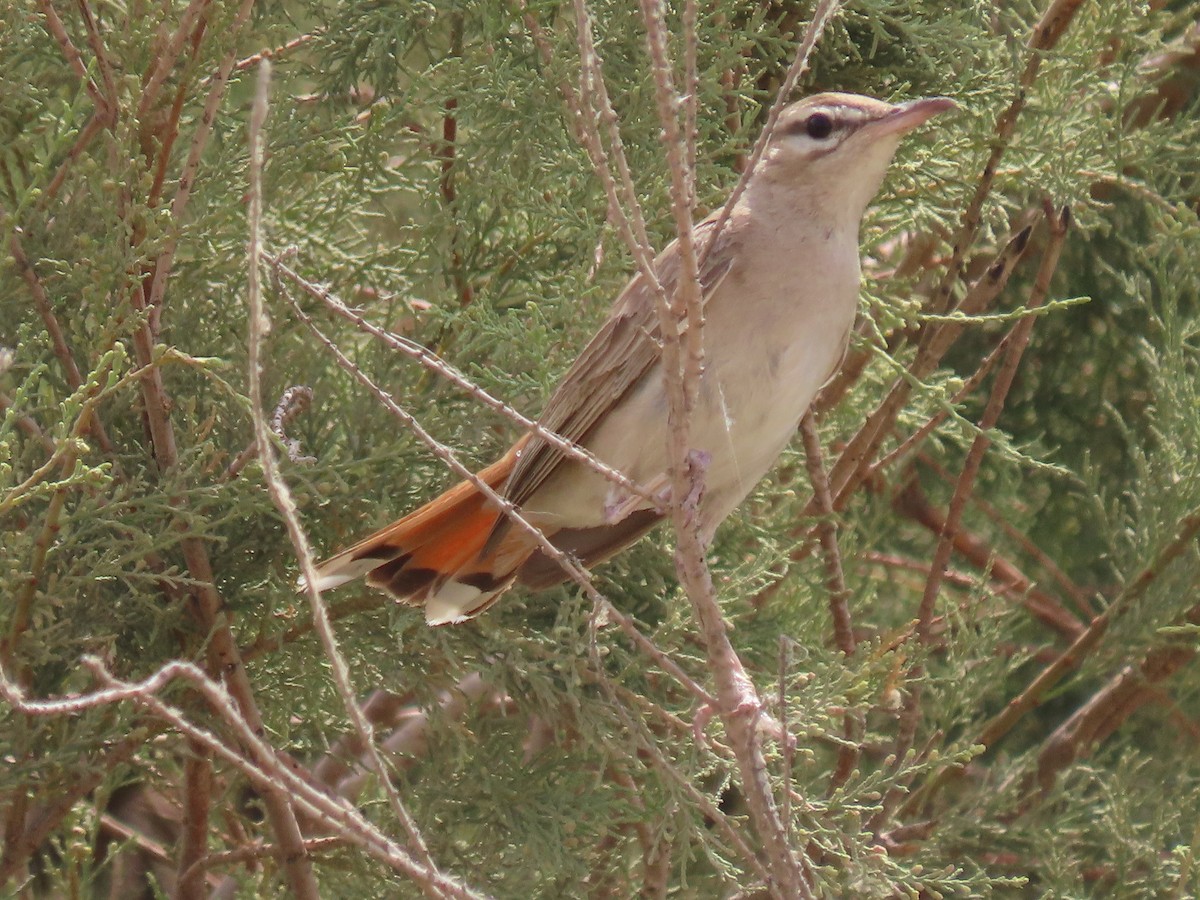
{"x": 282, "y": 499}
{"x": 999, "y": 725}
{"x": 167, "y": 127}
{"x": 911, "y": 714}
{"x": 28, "y": 425}
{"x": 1079, "y": 597}
{"x": 151, "y": 299}
{"x": 97, "y": 123}
{"x": 165, "y": 56}
{"x": 197, "y": 801}
{"x": 96, "y": 43}
{"x": 911, "y": 502}
{"x": 680, "y": 322}
{"x": 70, "y": 52}
{"x": 207, "y": 604}
{"x": 839, "y": 595}
{"x": 1110, "y": 707}
{"x": 45, "y": 309}
{"x": 384, "y": 710}
{"x": 853, "y": 465}
{"x": 408, "y": 744}
{"x": 909, "y": 444}
{"x": 264, "y": 644}
{"x": 64, "y": 459}
{"x": 648, "y": 747}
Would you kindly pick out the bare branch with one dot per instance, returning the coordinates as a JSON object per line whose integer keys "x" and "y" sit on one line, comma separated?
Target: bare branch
{"x": 439, "y": 366}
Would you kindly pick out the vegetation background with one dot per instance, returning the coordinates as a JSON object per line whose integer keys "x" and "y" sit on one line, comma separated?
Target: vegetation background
{"x": 981, "y": 642}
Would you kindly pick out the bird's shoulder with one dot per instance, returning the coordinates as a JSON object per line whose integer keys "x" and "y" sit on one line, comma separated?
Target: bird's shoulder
{"x": 716, "y": 246}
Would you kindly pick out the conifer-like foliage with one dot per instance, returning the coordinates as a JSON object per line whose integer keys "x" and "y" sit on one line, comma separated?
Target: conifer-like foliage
{"x": 967, "y": 593}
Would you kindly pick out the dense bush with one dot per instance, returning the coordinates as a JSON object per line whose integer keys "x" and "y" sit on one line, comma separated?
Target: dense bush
{"x": 1017, "y": 711}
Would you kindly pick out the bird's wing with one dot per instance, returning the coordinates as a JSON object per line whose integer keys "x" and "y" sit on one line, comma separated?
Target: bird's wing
{"x": 622, "y": 352}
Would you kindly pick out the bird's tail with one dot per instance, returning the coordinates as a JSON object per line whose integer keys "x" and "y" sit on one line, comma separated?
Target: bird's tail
{"x": 440, "y": 555}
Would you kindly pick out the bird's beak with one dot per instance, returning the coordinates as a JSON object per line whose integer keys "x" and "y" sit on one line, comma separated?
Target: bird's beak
{"x": 904, "y": 117}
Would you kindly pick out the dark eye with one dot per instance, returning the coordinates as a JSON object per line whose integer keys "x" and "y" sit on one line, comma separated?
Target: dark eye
{"x": 818, "y": 126}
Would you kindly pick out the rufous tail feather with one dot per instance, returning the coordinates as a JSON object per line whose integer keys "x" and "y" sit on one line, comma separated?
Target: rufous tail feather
{"x": 439, "y": 556}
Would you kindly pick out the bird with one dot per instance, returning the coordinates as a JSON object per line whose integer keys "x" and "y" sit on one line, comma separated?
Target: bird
{"x": 779, "y": 288}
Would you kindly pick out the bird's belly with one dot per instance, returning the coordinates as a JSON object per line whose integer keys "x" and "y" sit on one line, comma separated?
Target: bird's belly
{"x": 759, "y": 379}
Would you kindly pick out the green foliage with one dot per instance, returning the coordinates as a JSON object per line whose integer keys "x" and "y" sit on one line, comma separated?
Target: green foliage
{"x": 422, "y": 166}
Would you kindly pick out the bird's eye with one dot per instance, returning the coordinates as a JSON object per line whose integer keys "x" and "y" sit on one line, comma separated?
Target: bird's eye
{"x": 818, "y": 126}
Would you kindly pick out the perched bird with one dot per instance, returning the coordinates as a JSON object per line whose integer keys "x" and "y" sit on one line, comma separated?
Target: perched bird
{"x": 779, "y": 291}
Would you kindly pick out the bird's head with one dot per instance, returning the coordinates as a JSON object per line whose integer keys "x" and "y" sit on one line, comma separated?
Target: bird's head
{"x": 840, "y": 145}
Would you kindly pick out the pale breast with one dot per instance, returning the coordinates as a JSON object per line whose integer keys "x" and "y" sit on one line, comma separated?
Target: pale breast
{"x": 770, "y": 343}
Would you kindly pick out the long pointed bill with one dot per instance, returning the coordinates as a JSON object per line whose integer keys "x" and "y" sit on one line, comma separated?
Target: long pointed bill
{"x": 907, "y": 116}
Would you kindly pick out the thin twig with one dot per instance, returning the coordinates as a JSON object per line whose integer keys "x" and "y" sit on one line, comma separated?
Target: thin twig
{"x": 439, "y": 366}
{"x": 272, "y": 53}
{"x": 282, "y": 496}
{"x": 909, "y": 501}
{"x": 603, "y": 609}
{"x": 852, "y": 466}
{"x": 1109, "y": 708}
{"x": 999, "y": 725}
{"x": 153, "y": 298}
{"x": 166, "y": 55}
{"x": 839, "y": 595}
{"x": 54, "y": 24}
{"x": 258, "y": 850}
{"x": 258, "y": 761}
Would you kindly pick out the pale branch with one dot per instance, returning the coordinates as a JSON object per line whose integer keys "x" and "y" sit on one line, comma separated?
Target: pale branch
{"x": 603, "y": 609}
{"x": 292, "y": 403}
{"x": 258, "y": 850}
{"x": 281, "y": 495}
{"x": 258, "y": 759}
{"x": 272, "y": 53}
{"x": 439, "y": 366}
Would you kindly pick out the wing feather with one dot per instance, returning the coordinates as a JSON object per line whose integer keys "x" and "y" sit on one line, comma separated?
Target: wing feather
{"x": 625, "y": 349}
